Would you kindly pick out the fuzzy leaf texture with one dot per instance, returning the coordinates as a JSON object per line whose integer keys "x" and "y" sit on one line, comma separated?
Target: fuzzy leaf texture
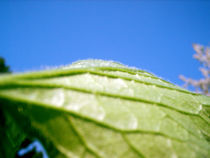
{"x": 102, "y": 109}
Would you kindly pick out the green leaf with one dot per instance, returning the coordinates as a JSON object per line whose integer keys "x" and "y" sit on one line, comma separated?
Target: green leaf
{"x": 96, "y": 108}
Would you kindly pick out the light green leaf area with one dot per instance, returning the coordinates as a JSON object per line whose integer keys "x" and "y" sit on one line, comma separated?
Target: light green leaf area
{"x": 96, "y": 108}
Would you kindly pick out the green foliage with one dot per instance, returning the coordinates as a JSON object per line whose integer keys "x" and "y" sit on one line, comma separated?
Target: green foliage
{"x": 3, "y": 67}
{"x": 103, "y": 109}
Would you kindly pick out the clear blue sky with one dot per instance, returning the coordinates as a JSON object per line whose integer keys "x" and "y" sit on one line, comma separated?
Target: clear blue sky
{"x": 155, "y": 35}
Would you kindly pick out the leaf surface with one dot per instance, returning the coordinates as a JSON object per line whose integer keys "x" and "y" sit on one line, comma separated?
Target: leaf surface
{"x": 96, "y": 108}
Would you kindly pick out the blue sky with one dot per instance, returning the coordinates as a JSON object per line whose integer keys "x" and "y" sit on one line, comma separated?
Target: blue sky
{"x": 153, "y": 35}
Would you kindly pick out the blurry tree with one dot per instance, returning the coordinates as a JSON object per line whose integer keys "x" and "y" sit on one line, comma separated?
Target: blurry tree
{"x": 3, "y": 67}
{"x": 202, "y": 85}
